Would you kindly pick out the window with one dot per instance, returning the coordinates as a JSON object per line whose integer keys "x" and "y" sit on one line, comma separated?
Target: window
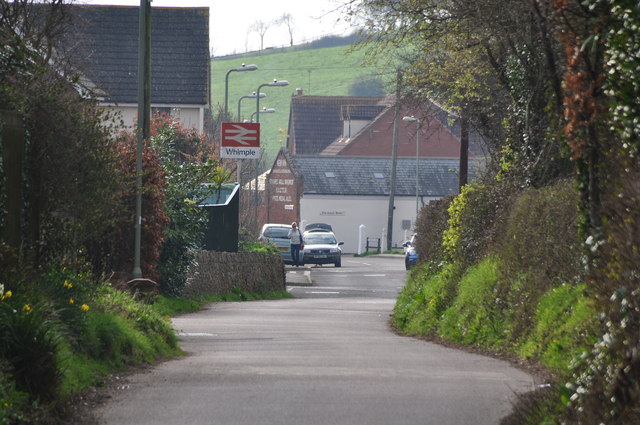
{"x": 329, "y": 174}
{"x": 378, "y": 175}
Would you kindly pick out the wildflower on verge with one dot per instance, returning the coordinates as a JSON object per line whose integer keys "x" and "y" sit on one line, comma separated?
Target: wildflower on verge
{"x": 67, "y": 284}
{"x": 85, "y": 307}
{"x": 27, "y": 308}
{"x": 8, "y": 294}
{"x": 71, "y": 301}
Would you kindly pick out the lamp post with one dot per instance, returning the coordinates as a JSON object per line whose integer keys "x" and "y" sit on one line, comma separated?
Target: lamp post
{"x": 226, "y": 85}
{"x": 249, "y": 96}
{"x": 417, "y": 121}
{"x": 264, "y": 111}
{"x": 274, "y": 83}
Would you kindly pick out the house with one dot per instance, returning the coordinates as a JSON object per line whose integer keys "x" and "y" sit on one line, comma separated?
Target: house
{"x": 284, "y": 187}
{"x": 338, "y": 166}
{"x": 316, "y": 121}
{"x": 347, "y": 192}
{"x": 104, "y": 42}
{"x": 354, "y": 126}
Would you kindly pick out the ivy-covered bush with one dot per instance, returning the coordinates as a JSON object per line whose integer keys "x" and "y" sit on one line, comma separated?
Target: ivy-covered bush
{"x": 188, "y": 160}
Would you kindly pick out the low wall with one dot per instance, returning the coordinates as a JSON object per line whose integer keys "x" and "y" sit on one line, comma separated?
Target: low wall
{"x": 220, "y": 272}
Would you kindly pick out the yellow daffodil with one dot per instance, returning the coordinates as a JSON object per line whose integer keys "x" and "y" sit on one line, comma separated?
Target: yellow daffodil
{"x": 8, "y": 294}
{"x": 84, "y": 307}
{"x": 72, "y": 301}
{"x": 27, "y": 308}
{"x": 67, "y": 284}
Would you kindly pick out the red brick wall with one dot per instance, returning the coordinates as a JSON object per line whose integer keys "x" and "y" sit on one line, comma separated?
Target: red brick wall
{"x": 283, "y": 193}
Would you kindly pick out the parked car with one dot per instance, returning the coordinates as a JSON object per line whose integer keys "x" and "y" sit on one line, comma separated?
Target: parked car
{"x": 321, "y": 248}
{"x": 318, "y": 227}
{"x": 277, "y": 235}
{"x": 410, "y": 253}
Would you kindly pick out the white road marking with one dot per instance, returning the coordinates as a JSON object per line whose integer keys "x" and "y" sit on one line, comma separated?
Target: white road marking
{"x": 195, "y": 334}
{"x": 322, "y": 292}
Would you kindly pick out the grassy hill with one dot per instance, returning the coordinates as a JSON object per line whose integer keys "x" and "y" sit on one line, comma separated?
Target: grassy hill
{"x": 321, "y": 72}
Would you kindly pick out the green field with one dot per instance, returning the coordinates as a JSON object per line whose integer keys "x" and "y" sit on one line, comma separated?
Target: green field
{"x": 320, "y": 72}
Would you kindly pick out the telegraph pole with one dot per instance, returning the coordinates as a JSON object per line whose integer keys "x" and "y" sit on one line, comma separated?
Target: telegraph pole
{"x": 394, "y": 160}
{"x": 144, "y": 110}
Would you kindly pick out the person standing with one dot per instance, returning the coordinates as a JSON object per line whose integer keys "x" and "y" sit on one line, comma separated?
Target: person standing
{"x": 296, "y": 243}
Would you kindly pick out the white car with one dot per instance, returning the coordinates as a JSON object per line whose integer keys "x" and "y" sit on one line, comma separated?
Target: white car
{"x": 321, "y": 248}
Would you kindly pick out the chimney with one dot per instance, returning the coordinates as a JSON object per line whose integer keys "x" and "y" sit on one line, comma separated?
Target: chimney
{"x": 298, "y": 92}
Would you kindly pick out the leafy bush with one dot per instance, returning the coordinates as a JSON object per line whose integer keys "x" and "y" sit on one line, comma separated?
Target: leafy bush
{"x": 114, "y": 251}
{"x": 426, "y": 296}
{"x": 540, "y": 222}
{"x": 188, "y": 160}
{"x": 564, "y": 326}
{"x": 431, "y": 224}
{"x": 12, "y": 402}
{"x": 261, "y": 247}
{"x": 29, "y": 344}
{"x": 475, "y": 317}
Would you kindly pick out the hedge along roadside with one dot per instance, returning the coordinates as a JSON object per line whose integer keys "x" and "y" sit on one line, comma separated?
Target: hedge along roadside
{"x": 506, "y": 301}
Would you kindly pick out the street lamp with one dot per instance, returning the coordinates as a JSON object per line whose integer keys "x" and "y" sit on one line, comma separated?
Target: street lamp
{"x": 249, "y": 96}
{"x": 264, "y": 111}
{"x": 226, "y": 85}
{"x": 417, "y": 121}
{"x": 274, "y": 83}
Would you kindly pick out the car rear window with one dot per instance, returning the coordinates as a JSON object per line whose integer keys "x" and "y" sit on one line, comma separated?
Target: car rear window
{"x": 276, "y": 232}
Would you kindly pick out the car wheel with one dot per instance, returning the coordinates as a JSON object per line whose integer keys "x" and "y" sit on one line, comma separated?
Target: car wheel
{"x": 338, "y": 263}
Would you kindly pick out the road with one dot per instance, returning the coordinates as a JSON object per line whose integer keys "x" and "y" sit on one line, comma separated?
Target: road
{"x": 328, "y": 356}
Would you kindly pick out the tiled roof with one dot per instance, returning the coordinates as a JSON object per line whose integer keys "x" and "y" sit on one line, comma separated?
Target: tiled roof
{"x": 366, "y": 176}
{"x": 316, "y": 121}
{"x": 106, "y": 39}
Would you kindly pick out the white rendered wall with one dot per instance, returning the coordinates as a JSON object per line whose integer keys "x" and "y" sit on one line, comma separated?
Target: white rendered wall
{"x": 346, "y": 213}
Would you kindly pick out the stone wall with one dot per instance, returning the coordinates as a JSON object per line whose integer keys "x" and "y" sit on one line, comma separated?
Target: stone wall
{"x": 220, "y": 272}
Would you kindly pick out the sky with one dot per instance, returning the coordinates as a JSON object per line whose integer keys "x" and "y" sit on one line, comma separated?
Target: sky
{"x": 231, "y": 20}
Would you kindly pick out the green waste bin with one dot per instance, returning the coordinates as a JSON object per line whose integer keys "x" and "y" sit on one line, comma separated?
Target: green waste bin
{"x": 223, "y": 210}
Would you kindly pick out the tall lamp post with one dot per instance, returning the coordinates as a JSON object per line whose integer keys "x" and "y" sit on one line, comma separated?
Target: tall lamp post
{"x": 417, "y": 121}
{"x": 249, "y": 96}
{"x": 264, "y": 111}
{"x": 274, "y": 83}
{"x": 226, "y": 85}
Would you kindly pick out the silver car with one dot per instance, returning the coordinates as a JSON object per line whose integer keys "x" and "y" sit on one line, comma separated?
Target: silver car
{"x": 278, "y": 235}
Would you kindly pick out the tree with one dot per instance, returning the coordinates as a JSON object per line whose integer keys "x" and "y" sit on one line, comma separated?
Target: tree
{"x": 260, "y": 27}
{"x": 70, "y": 174}
{"x": 287, "y": 20}
{"x": 488, "y": 58}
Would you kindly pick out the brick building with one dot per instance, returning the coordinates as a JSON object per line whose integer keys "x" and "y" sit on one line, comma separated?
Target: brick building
{"x": 283, "y": 190}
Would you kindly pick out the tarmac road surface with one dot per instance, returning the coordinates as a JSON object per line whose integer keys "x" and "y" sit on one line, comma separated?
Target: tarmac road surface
{"x": 326, "y": 357}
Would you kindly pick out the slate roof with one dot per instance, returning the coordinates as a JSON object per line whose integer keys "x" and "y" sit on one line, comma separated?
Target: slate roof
{"x": 366, "y": 176}
{"x": 105, "y": 39}
{"x": 316, "y": 121}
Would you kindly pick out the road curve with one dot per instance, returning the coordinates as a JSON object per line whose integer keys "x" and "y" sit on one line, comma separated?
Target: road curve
{"x": 327, "y": 356}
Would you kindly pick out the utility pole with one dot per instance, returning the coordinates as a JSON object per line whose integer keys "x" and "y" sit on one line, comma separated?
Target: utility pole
{"x": 394, "y": 161}
{"x": 464, "y": 151}
{"x": 144, "y": 111}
